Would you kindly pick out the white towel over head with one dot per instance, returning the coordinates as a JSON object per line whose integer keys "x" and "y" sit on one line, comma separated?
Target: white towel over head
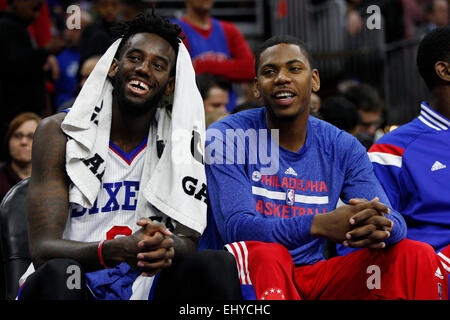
{"x": 167, "y": 177}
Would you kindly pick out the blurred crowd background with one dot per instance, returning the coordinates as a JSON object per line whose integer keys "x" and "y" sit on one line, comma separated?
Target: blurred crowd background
{"x": 369, "y": 80}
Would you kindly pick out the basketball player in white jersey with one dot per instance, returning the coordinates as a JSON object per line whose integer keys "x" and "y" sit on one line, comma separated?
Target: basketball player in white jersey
{"x": 61, "y": 234}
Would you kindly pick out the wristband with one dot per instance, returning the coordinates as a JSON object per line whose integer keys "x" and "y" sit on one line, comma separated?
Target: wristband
{"x": 100, "y": 254}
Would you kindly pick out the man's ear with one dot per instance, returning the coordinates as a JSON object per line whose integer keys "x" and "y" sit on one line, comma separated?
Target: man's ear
{"x": 256, "y": 91}
{"x": 442, "y": 69}
{"x": 170, "y": 87}
{"x": 315, "y": 80}
{"x": 113, "y": 68}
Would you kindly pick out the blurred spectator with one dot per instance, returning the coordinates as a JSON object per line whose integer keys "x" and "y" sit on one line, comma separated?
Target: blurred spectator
{"x": 354, "y": 22}
{"x": 247, "y": 94}
{"x": 18, "y": 142}
{"x": 98, "y": 36}
{"x": 41, "y": 29}
{"x": 86, "y": 69}
{"x": 22, "y": 77}
{"x": 436, "y": 15}
{"x": 363, "y": 45}
{"x": 341, "y": 113}
{"x": 57, "y": 12}
{"x": 344, "y": 85}
{"x": 316, "y": 102}
{"x": 413, "y": 16}
{"x": 68, "y": 61}
{"x": 214, "y": 91}
{"x": 392, "y": 12}
{"x": 216, "y": 46}
{"x": 214, "y": 116}
{"x": 370, "y": 108}
{"x": 131, "y": 8}
{"x": 82, "y": 75}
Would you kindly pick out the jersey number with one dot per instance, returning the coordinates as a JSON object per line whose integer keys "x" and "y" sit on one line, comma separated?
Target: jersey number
{"x": 118, "y": 231}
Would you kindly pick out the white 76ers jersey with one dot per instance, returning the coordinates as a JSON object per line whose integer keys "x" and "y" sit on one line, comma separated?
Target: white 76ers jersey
{"x": 114, "y": 211}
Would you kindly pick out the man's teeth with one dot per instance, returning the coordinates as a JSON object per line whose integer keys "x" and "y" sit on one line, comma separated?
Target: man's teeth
{"x": 138, "y": 84}
{"x": 284, "y": 95}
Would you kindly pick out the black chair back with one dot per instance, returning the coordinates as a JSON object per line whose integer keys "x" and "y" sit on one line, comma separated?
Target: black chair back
{"x": 14, "y": 250}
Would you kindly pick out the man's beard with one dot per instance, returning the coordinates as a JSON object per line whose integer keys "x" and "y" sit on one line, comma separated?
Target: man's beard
{"x": 130, "y": 107}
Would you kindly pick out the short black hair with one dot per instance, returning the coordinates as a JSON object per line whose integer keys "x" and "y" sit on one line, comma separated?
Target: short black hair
{"x": 340, "y": 112}
{"x": 434, "y": 47}
{"x": 279, "y": 39}
{"x": 206, "y": 81}
{"x": 151, "y": 23}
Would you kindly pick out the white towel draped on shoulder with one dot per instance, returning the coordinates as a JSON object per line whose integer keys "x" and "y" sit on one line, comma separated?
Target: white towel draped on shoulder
{"x": 88, "y": 125}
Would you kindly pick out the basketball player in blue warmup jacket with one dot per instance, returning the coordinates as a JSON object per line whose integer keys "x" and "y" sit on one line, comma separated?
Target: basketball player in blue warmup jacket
{"x": 273, "y": 200}
{"x": 148, "y": 54}
{"x": 413, "y": 161}
{"x": 314, "y": 181}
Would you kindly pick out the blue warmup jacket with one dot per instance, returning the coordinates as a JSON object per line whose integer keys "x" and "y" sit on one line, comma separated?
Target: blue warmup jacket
{"x": 248, "y": 203}
{"x": 413, "y": 165}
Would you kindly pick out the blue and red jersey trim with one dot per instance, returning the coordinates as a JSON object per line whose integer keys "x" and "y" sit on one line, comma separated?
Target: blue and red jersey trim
{"x": 128, "y": 157}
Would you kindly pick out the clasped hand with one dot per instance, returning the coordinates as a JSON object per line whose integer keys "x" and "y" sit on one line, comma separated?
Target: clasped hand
{"x": 155, "y": 247}
{"x": 370, "y": 227}
{"x": 360, "y": 224}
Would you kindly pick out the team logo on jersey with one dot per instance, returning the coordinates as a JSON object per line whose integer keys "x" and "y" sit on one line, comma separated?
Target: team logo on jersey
{"x": 290, "y": 171}
{"x": 256, "y": 176}
{"x": 273, "y": 294}
{"x": 437, "y": 166}
{"x": 290, "y": 196}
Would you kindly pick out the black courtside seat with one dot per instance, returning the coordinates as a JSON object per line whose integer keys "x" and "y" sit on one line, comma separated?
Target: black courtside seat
{"x": 14, "y": 251}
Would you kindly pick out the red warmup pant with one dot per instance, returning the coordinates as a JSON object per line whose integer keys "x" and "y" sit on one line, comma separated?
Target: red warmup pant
{"x": 408, "y": 270}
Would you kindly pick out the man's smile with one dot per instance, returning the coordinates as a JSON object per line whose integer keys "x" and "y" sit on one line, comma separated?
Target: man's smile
{"x": 138, "y": 87}
{"x": 284, "y": 96}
